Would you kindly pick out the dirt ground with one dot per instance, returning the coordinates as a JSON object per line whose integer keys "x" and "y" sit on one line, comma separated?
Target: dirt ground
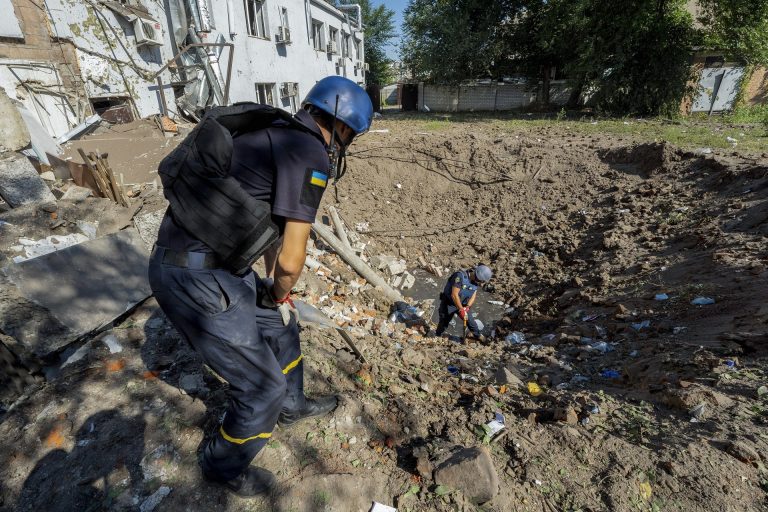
{"x": 617, "y": 392}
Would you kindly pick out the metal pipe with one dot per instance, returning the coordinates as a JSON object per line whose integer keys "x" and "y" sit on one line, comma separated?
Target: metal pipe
{"x": 359, "y": 11}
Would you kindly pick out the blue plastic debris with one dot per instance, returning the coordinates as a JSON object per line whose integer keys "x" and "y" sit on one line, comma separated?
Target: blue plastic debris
{"x": 661, "y": 296}
{"x": 515, "y": 338}
{"x": 641, "y": 325}
{"x": 702, "y": 301}
{"x": 453, "y": 370}
{"x": 610, "y": 374}
{"x": 730, "y": 363}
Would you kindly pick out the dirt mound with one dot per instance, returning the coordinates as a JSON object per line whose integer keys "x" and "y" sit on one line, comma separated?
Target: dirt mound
{"x": 645, "y": 158}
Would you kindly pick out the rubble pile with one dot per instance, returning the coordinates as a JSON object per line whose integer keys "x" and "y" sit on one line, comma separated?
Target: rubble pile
{"x": 624, "y": 370}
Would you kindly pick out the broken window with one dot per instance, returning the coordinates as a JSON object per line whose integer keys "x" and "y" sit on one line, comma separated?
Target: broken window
{"x": 114, "y": 110}
{"x": 317, "y": 35}
{"x": 257, "y": 18}
{"x": 289, "y": 95}
{"x": 265, "y": 94}
{"x": 333, "y": 44}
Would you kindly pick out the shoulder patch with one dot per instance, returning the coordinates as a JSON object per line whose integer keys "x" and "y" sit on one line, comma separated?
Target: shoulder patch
{"x": 313, "y": 187}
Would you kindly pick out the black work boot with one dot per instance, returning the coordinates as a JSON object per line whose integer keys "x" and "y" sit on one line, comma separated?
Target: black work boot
{"x": 251, "y": 482}
{"x": 312, "y": 407}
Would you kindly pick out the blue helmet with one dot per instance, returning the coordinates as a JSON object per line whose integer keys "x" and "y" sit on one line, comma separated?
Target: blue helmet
{"x": 355, "y": 108}
{"x": 483, "y": 273}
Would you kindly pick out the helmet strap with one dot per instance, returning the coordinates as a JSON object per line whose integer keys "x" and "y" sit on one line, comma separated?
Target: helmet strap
{"x": 333, "y": 147}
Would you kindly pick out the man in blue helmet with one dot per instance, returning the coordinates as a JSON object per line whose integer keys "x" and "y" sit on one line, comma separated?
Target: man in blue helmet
{"x": 459, "y": 295}
{"x": 242, "y": 326}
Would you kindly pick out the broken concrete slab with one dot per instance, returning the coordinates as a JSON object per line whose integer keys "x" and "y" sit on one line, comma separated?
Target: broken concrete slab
{"x": 82, "y": 288}
{"x": 470, "y": 470}
{"x": 76, "y": 194}
{"x": 148, "y": 225}
{"x": 20, "y": 183}
{"x": 13, "y": 132}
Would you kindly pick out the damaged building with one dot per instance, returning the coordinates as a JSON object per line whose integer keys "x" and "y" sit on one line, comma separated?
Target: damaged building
{"x": 65, "y": 60}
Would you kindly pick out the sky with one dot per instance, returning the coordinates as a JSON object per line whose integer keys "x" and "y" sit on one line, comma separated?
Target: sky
{"x": 398, "y": 6}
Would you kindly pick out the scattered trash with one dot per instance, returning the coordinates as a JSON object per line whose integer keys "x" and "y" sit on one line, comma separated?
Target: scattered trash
{"x": 363, "y": 378}
{"x": 495, "y": 426}
{"x": 661, "y": 296}
{"x": 610, "y": 374}
{"x": 641, "y": 325}
{"x": 362, "y": 227}
{"x": 633, "y": 353}
{"x": 645, "y": 491}
{"x": 602, "y": 347}
{"x": 730, "y": 363}
{"x": 379, "y": 131}
{"x": 515, "y": 338}
{"x": 697, "y": 412}
{"x": 378, "y": 507}
{"x": 453, "y": 370}
{"x": 702, "y": 301}
{"x": 110, "y": 340}
{"x": 590, "y": 318}
{"x": 534, "y": 389}
{"x": 678, "y": 330}
{"x": 496, "y": 302}
{"x": 579, "y": 379}
{"x": 732, "y": 140}
{"x": 762, "y": 391}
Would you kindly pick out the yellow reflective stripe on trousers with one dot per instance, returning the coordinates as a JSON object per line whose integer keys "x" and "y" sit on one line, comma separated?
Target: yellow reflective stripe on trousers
{"x": 235, "y": 440}
{"x": 292, "y": 364}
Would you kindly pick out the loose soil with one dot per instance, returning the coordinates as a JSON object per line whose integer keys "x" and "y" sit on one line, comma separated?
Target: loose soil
{"x": 617, "y": 401}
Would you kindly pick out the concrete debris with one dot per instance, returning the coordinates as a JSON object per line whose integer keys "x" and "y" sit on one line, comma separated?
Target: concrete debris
{"x": 53, "y": 243}
{"x": 20, "y": 183}
{"x": 408, "y": 281}
{"x": 471, "y": 471}
{"x": 154, "y": 499}
{"x": 42, "y": 143}
{"x": 95, "y": 282}
{"x": 13, "y": 132}
{"x": 148, "y": 225}
{"x": 76, "y": 194}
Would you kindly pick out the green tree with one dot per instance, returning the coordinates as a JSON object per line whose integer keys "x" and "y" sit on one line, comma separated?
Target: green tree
{"x": 379, "y": 30}
{"x": 447, "y": 41}
{"x": 737, "y": 27}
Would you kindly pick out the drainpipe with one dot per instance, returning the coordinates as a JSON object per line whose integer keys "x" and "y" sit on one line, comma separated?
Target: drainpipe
{"x": 210, "y": 75}
{"x": 231, "y": 19}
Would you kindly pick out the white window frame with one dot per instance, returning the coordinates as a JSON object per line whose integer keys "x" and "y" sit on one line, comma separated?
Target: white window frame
{"x": 265, "y": 93}
{"x": 333, "y": 38}
{"x": 256, "y": 18}
{"x": 318, "y": 35}
{"x": 344, "y": 44}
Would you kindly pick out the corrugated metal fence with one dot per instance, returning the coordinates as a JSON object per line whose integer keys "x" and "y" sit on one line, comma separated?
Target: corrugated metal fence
{"x": 471, "y": 98}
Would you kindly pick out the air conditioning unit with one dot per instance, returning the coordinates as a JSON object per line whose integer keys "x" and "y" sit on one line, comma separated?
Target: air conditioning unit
{"x": 331, "y": 48}
{"x": 283, "y": 35}
{"x": 288, "y": 89}
{"x": 366, "y": 67}
{"x": 149, "y": 33}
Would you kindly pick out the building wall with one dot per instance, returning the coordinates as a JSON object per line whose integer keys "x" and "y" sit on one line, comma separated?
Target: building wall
{"x": 92, "y": 52}
{"x": 258, "y": 60}
{"x": 40, "y": 71}
{"x": 756, "y": 88}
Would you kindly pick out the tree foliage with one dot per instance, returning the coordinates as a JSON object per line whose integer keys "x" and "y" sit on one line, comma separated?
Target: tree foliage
{"x": 379, "y": 30}
{"x": 737, "y": 27}
{"x": 628, "y": 57}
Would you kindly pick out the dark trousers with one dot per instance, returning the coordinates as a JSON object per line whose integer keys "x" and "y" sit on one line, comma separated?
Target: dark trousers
{"x": 446, "y": 311}
{"x": 218, "y": 314}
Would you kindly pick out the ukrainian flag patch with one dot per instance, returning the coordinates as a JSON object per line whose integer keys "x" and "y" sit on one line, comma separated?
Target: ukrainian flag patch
{"x": 319, "y": 178}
